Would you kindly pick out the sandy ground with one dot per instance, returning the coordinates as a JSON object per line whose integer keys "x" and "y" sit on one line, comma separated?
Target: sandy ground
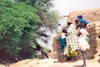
{"x": 1, "y": 65}
{"x": 53, "y": 63}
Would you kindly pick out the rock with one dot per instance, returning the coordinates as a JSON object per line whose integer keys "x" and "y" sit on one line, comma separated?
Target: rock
{"x": 57, "y": 51}
{"x": 55, "y": 42}
{"x": 54, "y": 55}
{"x": 93, "y": 17}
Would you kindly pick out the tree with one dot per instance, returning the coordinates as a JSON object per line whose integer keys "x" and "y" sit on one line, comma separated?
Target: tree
{"x": 19, "y": 24}
{"x": 49, "y": 18}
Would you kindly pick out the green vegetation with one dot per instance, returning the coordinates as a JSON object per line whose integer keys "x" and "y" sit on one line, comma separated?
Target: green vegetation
{"x": 19, "y": 26}
{"x": 49, "y": 18}
{"x": 20, "y": 22}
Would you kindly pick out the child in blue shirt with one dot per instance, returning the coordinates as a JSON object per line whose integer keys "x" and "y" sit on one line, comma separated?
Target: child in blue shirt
{"x": 63, "y": 39}
{"x": 80, "y": 17}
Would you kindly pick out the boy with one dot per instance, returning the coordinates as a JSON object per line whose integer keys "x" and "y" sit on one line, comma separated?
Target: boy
{"x": 77, "y": 24}
{"x": 80, "y": 18}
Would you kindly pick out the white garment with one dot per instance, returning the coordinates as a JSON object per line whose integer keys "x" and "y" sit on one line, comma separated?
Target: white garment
{"x": 82, "y": 40}
{"x": 63, "y": 35}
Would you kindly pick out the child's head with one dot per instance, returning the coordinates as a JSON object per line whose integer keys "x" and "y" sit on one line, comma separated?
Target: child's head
{"x": 79, "y": 17}
{"x": 49, "y": 50}
{"x": 76, "y": 21}
{"x": 64, "y": 30}
{"x": 82, "y": 25}
{"x": 69, "y": 23}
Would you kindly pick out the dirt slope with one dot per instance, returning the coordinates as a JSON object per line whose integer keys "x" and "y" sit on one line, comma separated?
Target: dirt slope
{"x": 51, "y": 63}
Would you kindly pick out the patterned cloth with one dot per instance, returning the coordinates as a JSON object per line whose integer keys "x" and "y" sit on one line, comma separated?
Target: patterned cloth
{"x": 69, "y": 53}
{"x": 72, "y": 39}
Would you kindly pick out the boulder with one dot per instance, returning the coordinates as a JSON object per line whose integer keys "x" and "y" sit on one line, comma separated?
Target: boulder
{"x": 57, "y": 51}
{"x": 54, "y": 55}
{"x": 93, "y": 17}
{"x": 55, "y": 42}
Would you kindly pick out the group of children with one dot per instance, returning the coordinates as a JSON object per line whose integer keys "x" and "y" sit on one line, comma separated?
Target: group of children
{"x": 72, "y": 41}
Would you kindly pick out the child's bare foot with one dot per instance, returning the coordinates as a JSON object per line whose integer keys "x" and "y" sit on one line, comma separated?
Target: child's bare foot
{"x": 83, "y": 65}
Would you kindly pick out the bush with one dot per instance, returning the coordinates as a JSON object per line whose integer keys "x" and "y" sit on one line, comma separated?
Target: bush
{"x": 19, "y": 24}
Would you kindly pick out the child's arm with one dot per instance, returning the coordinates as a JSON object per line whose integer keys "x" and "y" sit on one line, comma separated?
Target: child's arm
{"x": 77, "y": 27}
{"x": 79, "y": 34}
{"x": 66, "y": 34}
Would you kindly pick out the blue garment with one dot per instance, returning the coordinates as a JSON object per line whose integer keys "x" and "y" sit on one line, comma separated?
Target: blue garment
{"x": 79, "y": 16}
{"x": 82, "y": 20}
{"x": 88, "y": 39}
{"x": 62, "y": 42}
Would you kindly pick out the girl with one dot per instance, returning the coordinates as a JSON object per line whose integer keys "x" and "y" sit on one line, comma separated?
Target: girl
{"x": 83, "y": 44}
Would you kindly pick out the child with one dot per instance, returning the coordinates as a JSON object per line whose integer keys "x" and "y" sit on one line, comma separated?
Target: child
{"x": 49, "y": 53}
{"x": 83, "y": 42}
{"x": 80, "y": 18}
{"x": 72, "y": 42}
{"x": 77, "y": 24}
{"x": 63, "y": 39}
{"x": 76, "y": 21}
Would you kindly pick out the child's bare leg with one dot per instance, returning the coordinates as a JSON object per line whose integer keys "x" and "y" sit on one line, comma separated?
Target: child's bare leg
{"x": 84, "y": 58}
